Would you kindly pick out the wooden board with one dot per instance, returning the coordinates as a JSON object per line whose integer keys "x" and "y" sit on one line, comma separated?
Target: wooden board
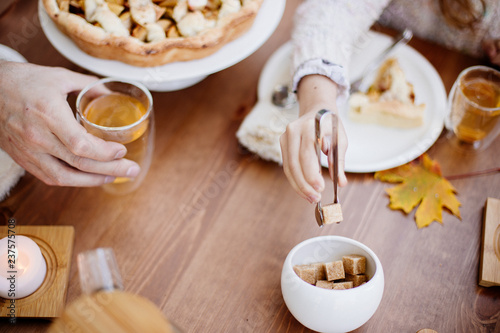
{"x": 489, "y": 270}
{"x": 56, "y": 245}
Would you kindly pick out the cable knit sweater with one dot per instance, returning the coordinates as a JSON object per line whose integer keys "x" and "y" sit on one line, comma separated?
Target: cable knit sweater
{"x": 325, "y": 31}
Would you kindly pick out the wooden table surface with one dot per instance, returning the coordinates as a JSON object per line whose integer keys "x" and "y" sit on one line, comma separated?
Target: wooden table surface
{"x": 206, "y": 235}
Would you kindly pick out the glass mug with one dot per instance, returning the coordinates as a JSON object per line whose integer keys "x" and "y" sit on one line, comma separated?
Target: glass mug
{"x": 120, "y": 111}
{"x": 474, "y": 107}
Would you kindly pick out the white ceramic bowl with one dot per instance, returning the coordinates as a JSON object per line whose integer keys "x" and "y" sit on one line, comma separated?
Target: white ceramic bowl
{"x": 326, "y": 310}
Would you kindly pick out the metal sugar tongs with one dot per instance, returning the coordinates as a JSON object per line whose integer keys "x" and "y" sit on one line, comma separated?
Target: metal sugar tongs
{"x": 331, "y": 213}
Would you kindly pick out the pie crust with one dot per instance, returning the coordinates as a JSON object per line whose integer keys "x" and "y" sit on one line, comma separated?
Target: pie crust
{"x": 390, "y": 100}
{"x": 97, "y": 42}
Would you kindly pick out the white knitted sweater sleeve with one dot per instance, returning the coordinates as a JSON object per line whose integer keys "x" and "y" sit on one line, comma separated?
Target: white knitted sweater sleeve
{"x": 325, "y": 32}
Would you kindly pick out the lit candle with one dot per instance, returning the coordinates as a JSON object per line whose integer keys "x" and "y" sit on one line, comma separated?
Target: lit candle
{"x": 22, "y": 267}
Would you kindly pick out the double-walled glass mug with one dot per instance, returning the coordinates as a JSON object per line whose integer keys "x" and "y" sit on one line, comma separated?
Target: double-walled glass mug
{"x": 120, "y": 111}
{"x": 474, "y": 107}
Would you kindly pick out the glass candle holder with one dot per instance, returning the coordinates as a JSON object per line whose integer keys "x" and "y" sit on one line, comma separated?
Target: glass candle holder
{"x": 99, "y": 271}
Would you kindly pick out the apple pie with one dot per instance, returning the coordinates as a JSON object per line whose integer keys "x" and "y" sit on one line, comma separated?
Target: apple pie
{"x": 390, "y": 100}
{"x": 152, "y": 32}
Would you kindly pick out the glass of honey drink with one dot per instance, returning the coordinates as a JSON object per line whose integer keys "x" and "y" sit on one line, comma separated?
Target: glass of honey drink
{"x": 474, "y": 107}
{"x": 120, "y": 111}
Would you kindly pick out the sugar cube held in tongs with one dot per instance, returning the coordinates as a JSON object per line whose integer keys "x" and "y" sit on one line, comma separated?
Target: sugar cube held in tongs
{"x": 331, "y": 213}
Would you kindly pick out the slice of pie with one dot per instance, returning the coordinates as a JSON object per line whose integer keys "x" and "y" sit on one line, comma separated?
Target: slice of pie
{"x": 390, "y": 100}
{"x": 152, "y": 32}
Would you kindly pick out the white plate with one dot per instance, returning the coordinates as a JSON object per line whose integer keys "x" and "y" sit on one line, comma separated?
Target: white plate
{"x": 6, "y": 53}
{"x": 177, "y": 75}
{"x": 374, "y": 147}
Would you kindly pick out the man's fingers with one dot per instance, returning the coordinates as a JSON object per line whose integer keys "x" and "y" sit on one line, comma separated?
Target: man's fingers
{"x": 86, "y": 145}
{"x": 60, "y": 157}
{"x": 81, "y": 143}
{"x": 59, "y": 174}
{"x": 52, "y": 171}
{"x": 74, "y": 81}
{"x": 114, "y": 167}
{"x": 67, "y": 129}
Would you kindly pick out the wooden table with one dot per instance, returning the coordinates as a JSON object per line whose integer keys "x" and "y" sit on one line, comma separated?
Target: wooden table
{"x": 206, "y": 235}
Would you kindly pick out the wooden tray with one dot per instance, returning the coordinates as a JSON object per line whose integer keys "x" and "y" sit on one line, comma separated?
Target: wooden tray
{"x": 56, "y": 245}
{"x": 489, "y": 270}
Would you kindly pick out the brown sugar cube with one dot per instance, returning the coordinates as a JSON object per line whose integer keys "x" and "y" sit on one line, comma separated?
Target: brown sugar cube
{"x": 342, "y": 285}
{"x": 320, "y": 271}
{"x": 306, "y": 273}
{"x": 332, "y": 213}
{"x": 354, "y": 264}
{"x": 356, "y": 279}
{"x": 334, "y": 270}
{"x": 324, "y": 284}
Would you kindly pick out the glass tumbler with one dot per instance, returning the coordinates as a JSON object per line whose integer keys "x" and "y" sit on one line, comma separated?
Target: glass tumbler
{"x": 120, "y": 111}
{"x": 474, "y": 107}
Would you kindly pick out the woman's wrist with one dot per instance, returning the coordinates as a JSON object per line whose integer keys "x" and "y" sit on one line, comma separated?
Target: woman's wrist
{"x": 316, "y": 92}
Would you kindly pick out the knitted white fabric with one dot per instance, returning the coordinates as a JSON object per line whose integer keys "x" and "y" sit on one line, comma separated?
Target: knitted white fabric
{"x": 325, "y": 33}
{"x": 10, "y": 173}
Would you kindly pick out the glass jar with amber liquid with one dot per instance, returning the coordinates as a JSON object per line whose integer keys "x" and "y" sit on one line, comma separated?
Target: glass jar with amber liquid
{"x": 475, "y": 106}
{"x": 120, "y": 111}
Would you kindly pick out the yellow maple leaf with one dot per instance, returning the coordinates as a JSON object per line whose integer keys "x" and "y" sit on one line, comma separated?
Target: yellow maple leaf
{"x": 421, "y": 183}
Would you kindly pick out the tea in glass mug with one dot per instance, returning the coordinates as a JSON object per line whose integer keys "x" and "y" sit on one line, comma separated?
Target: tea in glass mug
{"x": 120, "y": 111}
{"x": 475, "y": 106}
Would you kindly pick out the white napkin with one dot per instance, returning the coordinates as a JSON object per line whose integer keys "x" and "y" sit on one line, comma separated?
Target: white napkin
{"x": 261, "y": 130}
{"x": 10, "y": 173}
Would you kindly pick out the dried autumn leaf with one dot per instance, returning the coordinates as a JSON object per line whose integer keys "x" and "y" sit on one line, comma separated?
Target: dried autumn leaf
{"x": 421, "y": 183}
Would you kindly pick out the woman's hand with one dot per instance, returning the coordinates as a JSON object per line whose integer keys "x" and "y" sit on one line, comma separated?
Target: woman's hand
{"x": 300, "y": 162}
{"x": 39, "y": 131}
